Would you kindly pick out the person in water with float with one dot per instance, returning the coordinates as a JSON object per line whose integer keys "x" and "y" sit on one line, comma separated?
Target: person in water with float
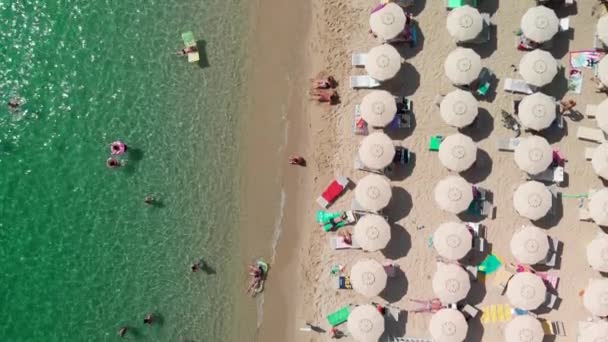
{"x": 118, "y": 148}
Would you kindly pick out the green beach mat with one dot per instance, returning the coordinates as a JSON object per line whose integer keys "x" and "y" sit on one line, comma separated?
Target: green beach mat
{"x": 188, "y": 38}
{"x": 323, "y": 217}
{"x": 490, "y": 264}
{"x": 339, "y": 316}
{"x": 435, "y": 142}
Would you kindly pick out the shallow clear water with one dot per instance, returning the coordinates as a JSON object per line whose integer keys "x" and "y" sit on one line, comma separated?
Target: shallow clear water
{"x": 81, "y": 253}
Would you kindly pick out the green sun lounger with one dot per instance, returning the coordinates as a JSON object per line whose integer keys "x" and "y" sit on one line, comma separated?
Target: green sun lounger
{"x": 325, "y": 218}
{"x": 490, "y": 264}
{"x": 339, "y": 317}
{"x": 435, "y": 142}
{"x": 451, "y": 4}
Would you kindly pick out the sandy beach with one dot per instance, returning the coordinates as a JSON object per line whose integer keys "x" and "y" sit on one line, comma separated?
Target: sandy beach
{"x": 301, "y": 287}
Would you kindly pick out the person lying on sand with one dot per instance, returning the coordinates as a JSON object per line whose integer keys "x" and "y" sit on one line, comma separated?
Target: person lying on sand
{"x": 328, "y": 96}
{"x": 297, "y": 160}
{"x": 330, "y": 82}
{"x": 346, "y": 235}
{"x": 431, "y": 306}
{"x": 567, "y": 106}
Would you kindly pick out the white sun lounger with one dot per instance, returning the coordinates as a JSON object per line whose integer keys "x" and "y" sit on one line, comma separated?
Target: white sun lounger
{"x": 358, "y": 165}
{"x": 589, "y": 152}
{"x": 363, "y": 81}
{"x": 508, "y": 144}
{"x": 591, "y": 134}
{"x": 553, "y": 175}
{"x": 517, "y": 86}
{"x": 359, "y": 59}
{"x": 337, "y": 243}
{"x": 564, "y": 24}
{"x": 409, "y": 339}
{"x": 591, "y": 111}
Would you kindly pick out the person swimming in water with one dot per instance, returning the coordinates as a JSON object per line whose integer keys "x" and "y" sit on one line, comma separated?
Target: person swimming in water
{"x": 122, "y": 331}
{"x": 14, "y": 103}
{"x": 113, "y": 163}
{"x": 118, "y": 148}
{"x": 149, "y": 319}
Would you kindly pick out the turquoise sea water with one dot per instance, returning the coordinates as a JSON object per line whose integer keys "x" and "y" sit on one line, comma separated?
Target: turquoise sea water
{"x": 81, "y": 253}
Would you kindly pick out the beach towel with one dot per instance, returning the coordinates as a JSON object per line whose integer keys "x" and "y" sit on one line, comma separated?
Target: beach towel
{"x": 585, "y": 58}
{"x": 496, "y": 313}
{"x": 326, "y": 219}
{"x": 549, "y": 278}
{"x": 344, "y": 283}
{"x": 339, "y": 316}
{"x": 575, "y": 81}
{"x": 490, "y": 264}
{"x": 332, "y": 192}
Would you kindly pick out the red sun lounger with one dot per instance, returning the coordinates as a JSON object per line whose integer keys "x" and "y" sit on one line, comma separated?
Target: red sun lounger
{"x": 332, "y": 192}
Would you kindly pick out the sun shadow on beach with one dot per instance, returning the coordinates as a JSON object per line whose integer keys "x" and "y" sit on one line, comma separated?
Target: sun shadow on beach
{"x": 561, "y": 43}
{"x": 552, "y": 218}
{"x": 402, "y": 133}
{"x": 488, "y": 6}
{"x": 419, "y": 5}
{"x": 406, "y": 81}
{"x": 394, "y": 326}
{"x": 203, "y": 61}
{"x": 400, "y": 204}
{"x": 399, "y": 244}
{"x": 396, "y": 287}
{"x": 477, "y": 293}
{"x": 136, "y": 154}
{"x": 486, "y": 49}
{"x": 558, "y": 88}
{"x": 475, "y": 332}
{"x": 407, "y": 51}
{"x": 481, "y": 169}
{"x": 481, "y": 128}
{"x": 401, "y": 172}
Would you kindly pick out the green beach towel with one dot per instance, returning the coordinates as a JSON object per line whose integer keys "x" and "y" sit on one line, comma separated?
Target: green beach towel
{"x": 339, "y": 316}
{"x": 435, "y": 142}
{"x": 188, "y": 38}
{"x": 324, "y": 218}
{"x": 490, "y": 264}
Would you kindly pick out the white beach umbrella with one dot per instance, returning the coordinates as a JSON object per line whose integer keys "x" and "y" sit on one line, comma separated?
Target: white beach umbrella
{"x": 457, "y": 152}
{"x": 373, "y": 192}
{"x": 602, "y": 29}
{"x": 453, "y": 194}
{"x": 378, "y": 108}
{"x": 448, "y": 325}
{"x": 599, "y": 161}
{"x": 597, "y": 253}
{"x": 532, "y": 200}
{"x": 464, "y": 23}
{"x": 372, "y": 232}
{"x": 368, "y": 277}
{"x": 539, "y": 24}
{"x": 388, "y": 22}
{"x": 452, "y": 240}
{"x": 595, "y": 298}
{"x": 602, "y": 70}
{"x": 376, "y": 151}
{"x": 533, "y": 154}
{"x": 594, "y": 332}
{"x": 365, "y": 323}
{"x": 383, "y": 62}
{"x": 451, "y": 283}
{"x": 530, "y": 245}
{"x": 537, "y": 111}
{"x": 526, "y": 291}
{"x": 602, "y": 115}
{"x": 538, "y": 67}
{"x": 524, "y": 328}
{"x": 598, "y": 207}
{"x": 458, "y": 108}
{"x": 462, "y": 66}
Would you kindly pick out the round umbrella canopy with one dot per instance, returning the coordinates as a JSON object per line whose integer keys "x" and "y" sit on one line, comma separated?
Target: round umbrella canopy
{"x": 373, "y": 192}
{"x": 453, "y": 194}
{"x": 539, "y": 24}
{"x": 537, "y": 111}
{"x": 458, "y": 108}
{"x": 448, "y": 325}
{"x": 452, "y": 240}
{"x": 377, "y": 151}
{"x": 388, "y": 22}
{"x": 457, "y": 152}
{"x": 383, "y": 62}
{"x": 368, "y": 277}
{"x": 372, "y": 232}
{"x": 533, "y": 154}
{"x": 597, "y": 253}
{"x": 532, "y": 200}
{"x": 602, "y": 29}
{"x": 530, "y": 245}
{"x": 602, "y": 115}
{"x": 451, "y": 283}
{"x": 365, "y": 323}
{"x": 598, "y": 207}
{"x": 595, "y": 298}
{"x": 596, "y": 332}
{"x": 378, "y": 108}
{"x": 524, "y": 328}
{"x": 464, "y": 23}
{"x": 462, "y": 66}
{"x": 538, "y": 67}
{"x": 526, "y": 291}
{"x": 602, "y": 70}
{"x": 600, "y": 160}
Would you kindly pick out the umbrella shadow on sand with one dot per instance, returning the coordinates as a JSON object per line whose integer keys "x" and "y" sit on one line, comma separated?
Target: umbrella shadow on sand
{"x": 396, "y": 287}
{"x": 480, "y": 170}
{"x": 476, "y": 330}
{"x": 203, "y": 61}
{"x": 399, "y": 244}
{"x": 406, "y": 81}
{"x": 400, "y": 204}
{"x": 554, "y": 216}
{"x": 481, "y": 128}
{"x": 488, "y": 6}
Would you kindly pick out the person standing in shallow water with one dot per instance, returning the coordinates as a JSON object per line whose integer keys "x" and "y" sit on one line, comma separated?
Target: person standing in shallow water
{"x": 149, "y": 319}
{"x": 122, "y": 331}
